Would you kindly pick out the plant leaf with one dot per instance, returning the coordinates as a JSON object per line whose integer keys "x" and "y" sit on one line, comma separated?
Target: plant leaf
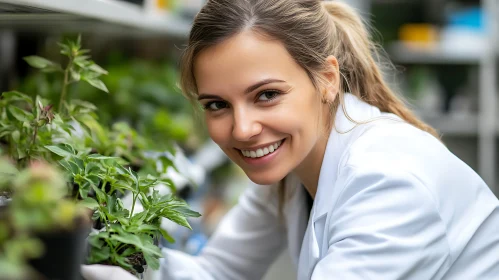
{"x": 71, "y": 166}
{"x": 96, "y": 239}
{"x": 20, "y": 114}
{"x": 84, "y": 190}
{"x": 145, "y": 228}
{"x": 89, "y": 203}
{"x": 82, "y": 107}
{"x": 184, "y": 210}
{"x": 75, "y": 75}
{"x": 166, "y": 235}
{"x": 123, "y": 221}
{"x": 97, "y": 84}
{"x": 40, "y": 62}
{"x": 100, "y": 157}
{"x": 176, "y": 218}
{"x": 64, "y": 49}
{"x": 61, "y": 150}
{"x": 92, "y": 167}
{"x": 152, "y": 261}
{"x": 80, "y": 163}
{"x": 101, "y": 196}
{"x": 142, "y": 242}
{"x": 121, "y": 261}
{"x": 99, "y": 254}
{"x": 16, "y": 96}
{"x": 92, "y": 179}
{"x": 137, "y": 219}
{"x": 97, "y": 69}
{"x": 129, "y": 251}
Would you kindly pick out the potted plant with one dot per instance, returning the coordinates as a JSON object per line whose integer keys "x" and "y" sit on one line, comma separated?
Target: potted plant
{"x": 100, "y": 164}
{"x": 122, "y": 237}
{"x": 42, "y": 232}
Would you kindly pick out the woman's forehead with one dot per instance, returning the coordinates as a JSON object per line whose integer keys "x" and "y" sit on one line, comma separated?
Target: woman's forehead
{"x": 244, "y": 58}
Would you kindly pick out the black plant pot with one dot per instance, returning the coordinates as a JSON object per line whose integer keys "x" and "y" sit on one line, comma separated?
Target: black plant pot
{"x": 64, "y": 253}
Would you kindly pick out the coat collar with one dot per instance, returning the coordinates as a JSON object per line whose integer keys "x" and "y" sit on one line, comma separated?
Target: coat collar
{"x": 342, "y": 135}
{"x": 345, "y": 132}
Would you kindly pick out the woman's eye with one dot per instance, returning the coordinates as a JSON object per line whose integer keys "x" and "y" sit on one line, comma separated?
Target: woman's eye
{"x": 215, "y": 105}
{"x": 268, "y": 95}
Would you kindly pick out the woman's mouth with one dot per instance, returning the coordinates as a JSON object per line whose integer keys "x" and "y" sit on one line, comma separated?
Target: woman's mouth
{"x": 258, "y": 153}
{"x": 262, "y": 154}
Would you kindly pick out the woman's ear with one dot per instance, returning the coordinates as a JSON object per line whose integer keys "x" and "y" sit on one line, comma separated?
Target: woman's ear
{"x": 332, "y": 78}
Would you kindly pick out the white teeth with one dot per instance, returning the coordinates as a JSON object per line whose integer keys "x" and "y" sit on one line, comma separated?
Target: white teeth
{"x": 261, "y": 152}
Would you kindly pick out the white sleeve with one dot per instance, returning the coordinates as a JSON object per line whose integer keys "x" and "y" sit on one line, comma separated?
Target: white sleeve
{"x": 244, "y": 245}
{"x": 385, "y": 225}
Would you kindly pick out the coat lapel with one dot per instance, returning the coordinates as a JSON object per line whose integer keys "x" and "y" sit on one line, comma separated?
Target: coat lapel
{"x": 296, "y": 217}
{"x": 315, "y": 242}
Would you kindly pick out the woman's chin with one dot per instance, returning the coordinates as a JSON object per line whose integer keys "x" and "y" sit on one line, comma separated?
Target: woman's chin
{"x": 261, "y": 179}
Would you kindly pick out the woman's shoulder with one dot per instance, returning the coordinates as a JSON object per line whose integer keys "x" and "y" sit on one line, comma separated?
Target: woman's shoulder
{"x": 396, "y": 154}
{"x": 394, "y": 144}
{"x": 398, "y": 151}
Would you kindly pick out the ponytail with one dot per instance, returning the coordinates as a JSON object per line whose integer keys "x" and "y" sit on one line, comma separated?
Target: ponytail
{"x": 360, "y": 73}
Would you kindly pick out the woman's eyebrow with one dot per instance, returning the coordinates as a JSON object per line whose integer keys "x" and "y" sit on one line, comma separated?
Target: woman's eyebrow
{"x": 248, "y": 90}
{"x": 262, "y": 83}
{"x": 208, "y": 96}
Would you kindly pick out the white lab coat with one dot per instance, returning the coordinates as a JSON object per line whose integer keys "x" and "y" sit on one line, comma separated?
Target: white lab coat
{"x": 392, "y": 203}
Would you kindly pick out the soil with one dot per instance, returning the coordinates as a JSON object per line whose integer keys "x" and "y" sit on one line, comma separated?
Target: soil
{"x": 138, "y": 261}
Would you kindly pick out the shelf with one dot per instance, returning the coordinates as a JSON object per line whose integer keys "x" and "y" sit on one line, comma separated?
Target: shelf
{"x": 89, "y": 16}
{"x": 464, "y": 124}
{"x": 417, "y": 54}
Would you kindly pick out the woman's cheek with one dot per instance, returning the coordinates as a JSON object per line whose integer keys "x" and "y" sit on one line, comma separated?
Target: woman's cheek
{"x": 218, "y": 129}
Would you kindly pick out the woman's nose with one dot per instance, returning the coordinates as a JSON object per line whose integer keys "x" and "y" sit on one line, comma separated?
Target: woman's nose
{"x": 245, "y": 125}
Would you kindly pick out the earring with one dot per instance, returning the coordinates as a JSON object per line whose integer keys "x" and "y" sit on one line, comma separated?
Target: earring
{"x": 325, "y": 100}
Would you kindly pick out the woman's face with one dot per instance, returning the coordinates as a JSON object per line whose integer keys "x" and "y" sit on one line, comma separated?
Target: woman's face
{"x": 261, "y": 107}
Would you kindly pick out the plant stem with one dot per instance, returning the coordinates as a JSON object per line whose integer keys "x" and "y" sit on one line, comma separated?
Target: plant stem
{"x": 32, "y": 144}
{"x": 34, "y": 136}
{"x": 110, "y": 244}
{"x": 77, "y": 191}
{"x": 133, "y": 204}
{"x": 120, "y": 247}
{"x": 65, "y": 84}
{"x": 105, "y": 224}
{"x": 103, "y": 188}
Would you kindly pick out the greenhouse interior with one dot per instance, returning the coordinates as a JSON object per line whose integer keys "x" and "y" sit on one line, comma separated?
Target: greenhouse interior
{"x": 105, "y": 161}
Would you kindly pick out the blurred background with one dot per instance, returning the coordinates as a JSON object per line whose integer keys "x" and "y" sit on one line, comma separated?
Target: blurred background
{"x": 445, "y": 54}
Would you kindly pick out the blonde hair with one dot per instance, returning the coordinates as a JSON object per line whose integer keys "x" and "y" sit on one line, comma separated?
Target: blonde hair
{"x": 311, "y": 30}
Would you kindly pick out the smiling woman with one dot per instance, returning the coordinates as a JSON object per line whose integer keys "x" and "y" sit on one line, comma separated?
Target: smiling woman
{"x": 256, "y": 96}
{"x": 293, "y": 94}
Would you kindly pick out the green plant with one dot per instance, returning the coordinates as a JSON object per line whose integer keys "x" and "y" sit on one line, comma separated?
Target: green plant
{"x": 79, "y": 67}
{"x": 38, "y": 205}
{"x": 28, "y": 124}
{"x": 144, "y": 95}
{"x": 129, "y": 236}
{"x": 100, "y": 163}
{"x": 23, "y": 123}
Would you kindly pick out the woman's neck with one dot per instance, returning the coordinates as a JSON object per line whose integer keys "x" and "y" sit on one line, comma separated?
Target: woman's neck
{"x": 310, "y": 168}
